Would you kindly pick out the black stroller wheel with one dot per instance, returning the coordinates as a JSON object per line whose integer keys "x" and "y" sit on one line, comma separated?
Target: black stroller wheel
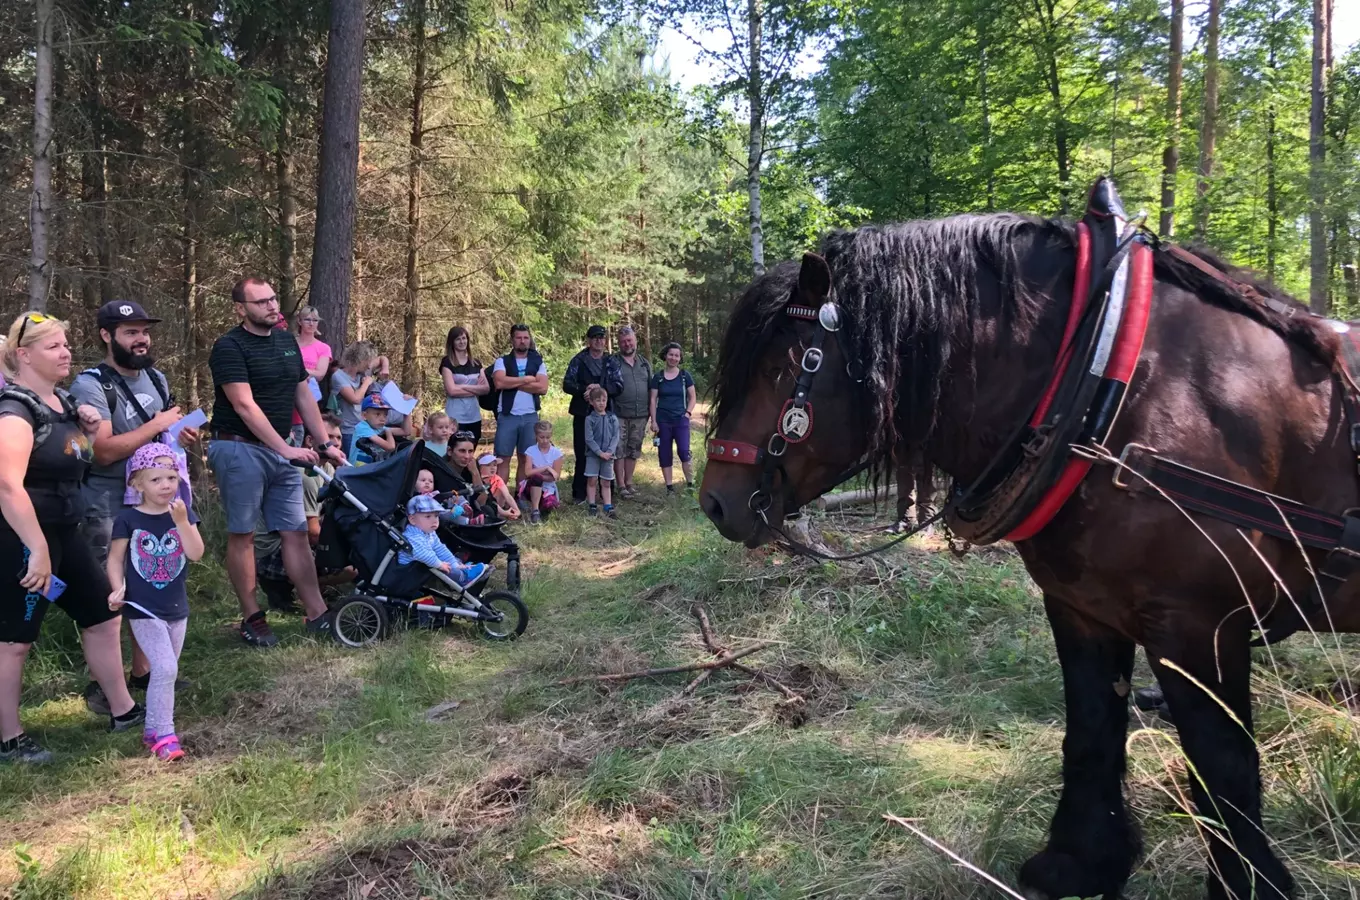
{"x": 512, "y": 573}
{"x": 358, "y": 621}
{"x": 515, "y": 616}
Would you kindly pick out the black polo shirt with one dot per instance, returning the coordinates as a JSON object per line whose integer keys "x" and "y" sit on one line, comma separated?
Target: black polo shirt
{"x": 271, "y": 364}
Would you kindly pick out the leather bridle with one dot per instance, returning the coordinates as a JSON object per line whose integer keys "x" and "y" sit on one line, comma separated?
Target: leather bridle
{"x": 795, "y": 422}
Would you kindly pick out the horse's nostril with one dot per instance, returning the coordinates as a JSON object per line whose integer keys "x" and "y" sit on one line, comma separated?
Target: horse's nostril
{"x": 713, "y": 507}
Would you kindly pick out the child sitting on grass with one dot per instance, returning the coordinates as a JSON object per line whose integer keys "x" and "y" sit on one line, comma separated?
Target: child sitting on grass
{"x": 602, "y": 442}
{"x": 456, "y": 509}
{"x": 373, "y": 431}
{"x": 159, "y": 536}
{"x": 422, "y": 521}
{"x": 539, "y": 488}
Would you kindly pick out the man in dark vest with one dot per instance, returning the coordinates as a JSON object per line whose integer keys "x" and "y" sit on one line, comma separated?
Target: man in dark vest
{"x": 591, "y": 366}
{"x": 521, "y": 376}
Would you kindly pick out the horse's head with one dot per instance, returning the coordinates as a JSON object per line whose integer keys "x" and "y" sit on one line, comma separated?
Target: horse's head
{"x": 791, "y": 421}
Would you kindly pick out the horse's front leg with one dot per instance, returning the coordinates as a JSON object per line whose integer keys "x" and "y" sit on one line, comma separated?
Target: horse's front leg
{"x": 1092, "y": 842}
{"x": 1225, "y": 767}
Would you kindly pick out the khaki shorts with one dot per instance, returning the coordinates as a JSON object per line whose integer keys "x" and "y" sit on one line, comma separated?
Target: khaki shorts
{"x": 632, "y": 435}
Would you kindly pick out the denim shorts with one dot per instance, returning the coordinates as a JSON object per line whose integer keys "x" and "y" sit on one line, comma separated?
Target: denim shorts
{"x": 256, "y": 482}
{"x": 599, "y": 468}
{"x": 515, "y": 434}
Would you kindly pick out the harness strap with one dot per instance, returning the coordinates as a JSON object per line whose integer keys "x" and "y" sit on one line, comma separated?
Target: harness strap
{"x": 735, "y": 452}
{"x": 1257, "y": 510}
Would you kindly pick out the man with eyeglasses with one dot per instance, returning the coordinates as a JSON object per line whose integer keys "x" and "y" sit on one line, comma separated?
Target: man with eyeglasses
{"x": 258, "y": 380}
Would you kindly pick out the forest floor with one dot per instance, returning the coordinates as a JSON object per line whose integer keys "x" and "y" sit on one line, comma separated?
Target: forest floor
{"x": 928, "y": 690}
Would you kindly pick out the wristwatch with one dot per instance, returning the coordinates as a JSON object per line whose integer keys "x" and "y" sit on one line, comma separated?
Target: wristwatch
{"x": 326, "y": 446}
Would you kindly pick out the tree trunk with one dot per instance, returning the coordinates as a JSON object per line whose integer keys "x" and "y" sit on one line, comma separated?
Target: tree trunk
{"x": 756, "y": 140}
{"x": 1171, "y": 154}
{"x": 283, "y": 179}
{"x": 1272, "y": 176}
{"x": 1317, "y": 151}
{"x": 40, "y": 206}
{"x": 338, "y": 165}
{"x": 96, "y": 286}
{"x": 410, "y": 354}
{"x": 1047, "y": 53}
{"x": 1208, "y": 131}
{"x": 988, "y": 164}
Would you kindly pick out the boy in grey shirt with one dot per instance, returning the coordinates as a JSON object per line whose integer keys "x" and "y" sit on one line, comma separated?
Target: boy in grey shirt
{"x": 602, "y": 443}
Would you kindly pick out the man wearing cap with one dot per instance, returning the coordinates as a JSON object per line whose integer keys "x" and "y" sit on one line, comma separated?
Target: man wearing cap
{"x": 258, "y": 380}
{"x": 135, "y": 407}
{"x": 590, "y": 366}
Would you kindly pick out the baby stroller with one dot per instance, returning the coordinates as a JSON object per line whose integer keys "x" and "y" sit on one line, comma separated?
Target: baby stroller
{"x": 361, "y": 526}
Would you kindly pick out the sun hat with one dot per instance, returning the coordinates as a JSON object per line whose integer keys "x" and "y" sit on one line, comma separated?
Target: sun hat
{"x": 147, "y": 456}
{"x": 487, "y": 459}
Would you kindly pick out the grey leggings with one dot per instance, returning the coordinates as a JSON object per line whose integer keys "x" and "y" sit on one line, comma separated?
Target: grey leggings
{"x": 162, "y": 642}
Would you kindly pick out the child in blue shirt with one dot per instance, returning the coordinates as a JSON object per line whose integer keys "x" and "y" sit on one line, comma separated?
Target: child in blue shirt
{"x": 373, "y": 427}
{"x": 422, "y": 521}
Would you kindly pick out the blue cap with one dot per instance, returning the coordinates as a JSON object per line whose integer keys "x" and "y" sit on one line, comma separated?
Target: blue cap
{"x": 375, "y": 401}
{"x": 422, "y": 503}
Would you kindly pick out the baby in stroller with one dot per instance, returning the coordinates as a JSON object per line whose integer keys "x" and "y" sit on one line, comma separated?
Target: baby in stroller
{"x": 455, "y": 508}
{"x": 411, "y": 565}
{"x": 423, "y": 513}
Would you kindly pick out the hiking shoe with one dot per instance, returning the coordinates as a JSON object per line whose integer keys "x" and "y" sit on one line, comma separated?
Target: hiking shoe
{"x": 256, "y": 632}
{"x": 322, "y": 625}
{"x": 130, "y": 719}
{"x": 535, "y": 517}
{"x": 670, "y": 490}
{"x": 142, "y": 682}
{"x": 95, "y": 700}
{"x": 593, "y": 511}
{"x": 609, "y": 512}
{"x": 167, "y": 749}
{"x": 23, "y": 749}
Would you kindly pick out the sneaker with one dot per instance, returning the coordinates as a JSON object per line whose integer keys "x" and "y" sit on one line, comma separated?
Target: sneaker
{"x": 609, "y": 511}
{"x": 535, "y": 517}
{"x": 130, "y": 719}
{"x": 256, "y": 632}
{"x": 149, "y": 738}
{"x": 142, "y": 682}
{"x": 167, "y": 749}
{"x": 95, "y": 701}
{"x": 23, "y": 749}
{"x": 670, "y": 489}
{"x": 593, "y": 511}
{"x": 321, "y": 626}
{"x": 476, "y": 572}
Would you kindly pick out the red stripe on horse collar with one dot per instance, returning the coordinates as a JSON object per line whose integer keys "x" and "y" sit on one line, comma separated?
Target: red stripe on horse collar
{"x": 735, "y": 452}
{"x": 1128, "y": 346}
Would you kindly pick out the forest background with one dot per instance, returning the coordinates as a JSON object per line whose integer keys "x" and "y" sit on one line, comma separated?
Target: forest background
{"x": 481, "y": 162}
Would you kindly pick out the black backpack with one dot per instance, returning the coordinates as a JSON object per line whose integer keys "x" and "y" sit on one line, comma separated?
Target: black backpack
{"x": 44, "y": 416}
{"x": 115, "y": 389}
{"x": 491, "y": 400}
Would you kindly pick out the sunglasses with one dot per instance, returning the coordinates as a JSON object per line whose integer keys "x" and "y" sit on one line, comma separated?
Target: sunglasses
{"x": 36, "y": 319}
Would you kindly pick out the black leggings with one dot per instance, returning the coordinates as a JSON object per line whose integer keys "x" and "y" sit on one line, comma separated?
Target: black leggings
{"x": 86, "y": 598}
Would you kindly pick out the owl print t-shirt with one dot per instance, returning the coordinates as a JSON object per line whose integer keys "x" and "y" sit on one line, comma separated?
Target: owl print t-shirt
{"x": 156, "y": 564}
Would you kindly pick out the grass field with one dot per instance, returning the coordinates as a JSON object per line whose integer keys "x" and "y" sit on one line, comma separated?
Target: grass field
{"x": 931, "y": 693}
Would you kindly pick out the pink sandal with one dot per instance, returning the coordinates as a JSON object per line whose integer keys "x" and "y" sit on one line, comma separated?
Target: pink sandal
{"x": 167, "y": 748}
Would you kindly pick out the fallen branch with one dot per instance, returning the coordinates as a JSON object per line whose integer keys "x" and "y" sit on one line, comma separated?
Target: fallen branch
{"x": 951, "y": 854}
{"x": 673, "y": 670}
{"x": 718, "y": 648}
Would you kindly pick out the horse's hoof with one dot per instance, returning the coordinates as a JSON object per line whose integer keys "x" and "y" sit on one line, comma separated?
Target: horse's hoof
{"x": 1052, "y": 875}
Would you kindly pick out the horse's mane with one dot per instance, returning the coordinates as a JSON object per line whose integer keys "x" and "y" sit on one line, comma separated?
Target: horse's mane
{"x": 906, "y": 290}
{"x": 1292, "y": 321}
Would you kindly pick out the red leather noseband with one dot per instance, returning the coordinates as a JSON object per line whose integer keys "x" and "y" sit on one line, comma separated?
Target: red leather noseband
{"x": 735, "y": 452}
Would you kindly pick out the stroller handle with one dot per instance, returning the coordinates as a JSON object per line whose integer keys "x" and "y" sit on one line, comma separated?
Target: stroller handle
{"x": 312, "y": 469}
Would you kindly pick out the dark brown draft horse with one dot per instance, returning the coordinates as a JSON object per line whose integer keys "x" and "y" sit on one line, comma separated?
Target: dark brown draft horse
{"x": 947, "y": 334}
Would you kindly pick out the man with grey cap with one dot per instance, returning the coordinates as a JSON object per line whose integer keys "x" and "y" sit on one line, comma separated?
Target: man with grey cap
{"x": 591, "y": 366}
{"x": 136, "y": 407}
{"x": 632, "y": 406}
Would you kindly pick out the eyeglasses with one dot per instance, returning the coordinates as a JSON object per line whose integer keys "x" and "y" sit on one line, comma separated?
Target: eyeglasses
{"x": 271, "y": 300}
{"x": 36, "y": 318}
{"x": 310, "y": 321}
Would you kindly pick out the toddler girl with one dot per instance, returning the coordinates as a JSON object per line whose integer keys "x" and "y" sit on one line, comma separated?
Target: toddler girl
{"x": 456, "y": 509}
{"x": 437, "y": 432}
{"x": 157, "y": 537}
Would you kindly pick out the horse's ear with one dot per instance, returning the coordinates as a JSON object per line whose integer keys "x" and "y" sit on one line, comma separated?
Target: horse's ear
{"x": 814, "y": 280}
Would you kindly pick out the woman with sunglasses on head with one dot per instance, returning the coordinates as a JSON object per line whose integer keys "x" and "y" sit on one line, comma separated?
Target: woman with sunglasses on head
{"x": 43, "y": 559}
{"x": 316, "y": 359}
